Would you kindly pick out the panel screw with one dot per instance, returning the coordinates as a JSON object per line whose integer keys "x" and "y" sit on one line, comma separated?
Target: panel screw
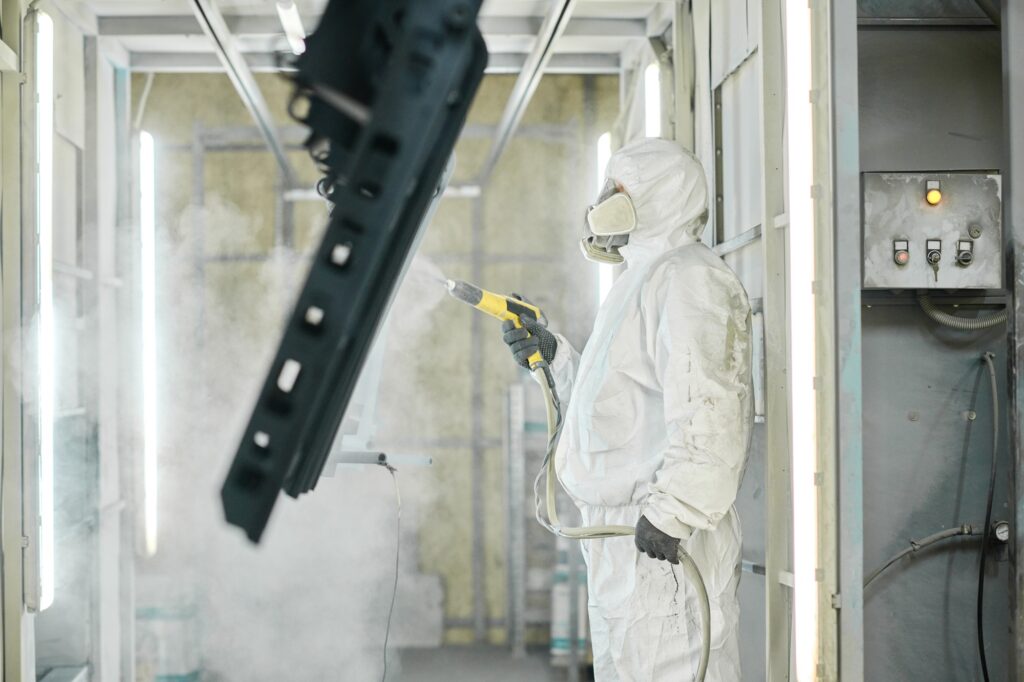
{"x": 974, "y": 231}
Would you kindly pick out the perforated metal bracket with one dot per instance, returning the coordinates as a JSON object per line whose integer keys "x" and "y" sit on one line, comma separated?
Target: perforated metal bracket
{"x": 384, "y": 87}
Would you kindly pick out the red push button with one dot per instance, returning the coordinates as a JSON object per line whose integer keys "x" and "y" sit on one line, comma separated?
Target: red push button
{"x": 902, "y": 257}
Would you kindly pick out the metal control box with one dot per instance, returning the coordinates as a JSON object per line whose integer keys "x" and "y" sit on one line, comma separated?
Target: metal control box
{"x": 933, "y": 231}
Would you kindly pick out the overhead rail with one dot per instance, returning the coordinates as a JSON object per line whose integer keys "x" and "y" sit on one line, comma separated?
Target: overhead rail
{"x": 237, "y": 69}
{"x": 529, "y": 78}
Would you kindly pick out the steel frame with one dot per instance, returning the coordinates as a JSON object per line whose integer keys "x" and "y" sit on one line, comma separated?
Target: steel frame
{"x": 509, "y": 63}
{"x": 17, "y": 625}
{"x": 778, "y": 597}
{"x": 1013, "y": 231}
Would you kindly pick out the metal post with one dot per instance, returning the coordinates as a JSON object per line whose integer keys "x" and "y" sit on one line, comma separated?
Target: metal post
{"x": 1013, "y": 219}
{"x": 574, "y": 610}
{"x": 777, "y": 484}
{"x": 515, "y": 555}
{"x": 684, "y": 72}
{"x": 826, "y": 363}
{"x": 127, "y": 300}
{"x": 100, "y": 233}
{"x": 199, "y": 229}
{"x": 11, "y": 211}
{"x": 479, "y": 545}
{"x": 849, "y": 446}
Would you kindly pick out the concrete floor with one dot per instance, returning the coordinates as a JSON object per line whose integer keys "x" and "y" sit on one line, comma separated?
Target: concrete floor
{"x": 477, "y": 663}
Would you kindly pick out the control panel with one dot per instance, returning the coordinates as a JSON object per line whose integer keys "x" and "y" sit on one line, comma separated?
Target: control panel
{"x": 933, "y": 231}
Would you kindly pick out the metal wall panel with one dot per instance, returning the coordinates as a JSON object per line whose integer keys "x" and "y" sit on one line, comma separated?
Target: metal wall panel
{"x": 750, "y": 505}
{"x": 741, "y": 148}
{"x": 69, "y": 81}
{"x": 926, "y": 468}
{"x": 741, "y": 171}
{"x": 919, "y": 9}
{"x": 729, "y": 37}
{"x": 930, "y": 100}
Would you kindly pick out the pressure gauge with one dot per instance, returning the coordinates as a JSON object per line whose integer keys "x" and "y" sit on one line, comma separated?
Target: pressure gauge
{"x": 1001, "y": 529}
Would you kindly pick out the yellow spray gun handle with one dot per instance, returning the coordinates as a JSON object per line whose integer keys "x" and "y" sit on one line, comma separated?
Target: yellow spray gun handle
{"x": 502, "y": 307}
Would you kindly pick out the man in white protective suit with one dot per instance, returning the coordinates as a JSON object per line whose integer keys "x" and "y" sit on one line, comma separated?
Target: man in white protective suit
{"x": 657, "y": 421}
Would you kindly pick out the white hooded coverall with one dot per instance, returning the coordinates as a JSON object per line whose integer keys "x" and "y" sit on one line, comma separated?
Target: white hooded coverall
{"x": 658, "y": 424}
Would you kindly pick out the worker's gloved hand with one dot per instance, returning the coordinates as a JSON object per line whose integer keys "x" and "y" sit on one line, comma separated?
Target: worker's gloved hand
{"x": 526, "y": 340}
{"x": 656, "y": 544}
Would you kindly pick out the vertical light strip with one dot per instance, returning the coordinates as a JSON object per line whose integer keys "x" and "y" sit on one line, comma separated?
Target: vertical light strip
{"x": 147, "y": 245}
{"x": 652, "y": 100}
{"x": 605, "y": 272}
{"x": 802, "y": 327}
{"x": 46, "y": 327}
{"x": 291, "y": 24}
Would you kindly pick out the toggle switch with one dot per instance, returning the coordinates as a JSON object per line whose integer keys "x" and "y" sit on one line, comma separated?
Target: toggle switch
{"x": 933, "y": 254}
{"x": 964, "y": 252}
{"x": 901, "y": 251}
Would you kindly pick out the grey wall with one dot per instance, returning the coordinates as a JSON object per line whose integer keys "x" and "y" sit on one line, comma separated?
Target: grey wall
{"x": 930, "y": 100}
{"x": 926, "y": 468}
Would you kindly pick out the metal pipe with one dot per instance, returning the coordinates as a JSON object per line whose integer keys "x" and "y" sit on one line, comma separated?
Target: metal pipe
{"x": 529, "y": 78}
{"x": 213, "y": 24}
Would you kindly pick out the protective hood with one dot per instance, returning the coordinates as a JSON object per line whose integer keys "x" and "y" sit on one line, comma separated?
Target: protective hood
{"x": 669, "y": 192}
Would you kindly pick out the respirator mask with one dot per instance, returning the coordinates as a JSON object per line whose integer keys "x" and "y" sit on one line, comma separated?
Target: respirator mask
{"x": 608, "y": 225}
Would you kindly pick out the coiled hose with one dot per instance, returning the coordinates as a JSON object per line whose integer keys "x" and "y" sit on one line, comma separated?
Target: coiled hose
{"x": 542, "y": 375}
{"x": 965, "y": 324}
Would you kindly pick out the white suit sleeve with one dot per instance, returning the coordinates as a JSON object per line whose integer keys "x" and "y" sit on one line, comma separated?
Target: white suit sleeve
{"x": 699, "y": 321}
{"x": 563, "y": 368}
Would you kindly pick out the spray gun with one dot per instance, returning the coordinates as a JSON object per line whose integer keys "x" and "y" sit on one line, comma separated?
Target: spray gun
{"x": 502, "y": 307}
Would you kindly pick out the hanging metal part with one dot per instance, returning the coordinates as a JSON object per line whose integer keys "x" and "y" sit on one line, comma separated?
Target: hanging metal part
{"x": 529, "y": 78}
{"x": 400, "y": 77}
{"x": 213, "y": 24}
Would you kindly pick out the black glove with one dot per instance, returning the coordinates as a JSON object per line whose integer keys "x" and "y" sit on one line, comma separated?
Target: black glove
{"x": 526, "y": 340}
{"x": 656, "y": 544}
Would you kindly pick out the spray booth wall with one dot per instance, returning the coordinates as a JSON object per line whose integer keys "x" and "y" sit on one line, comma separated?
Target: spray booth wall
{"x": 232, "y": 253}
{"x": 930, "y": 100}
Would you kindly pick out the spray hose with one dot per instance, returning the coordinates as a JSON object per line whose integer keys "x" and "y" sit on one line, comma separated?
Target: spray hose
{"x": 542, "y": 375}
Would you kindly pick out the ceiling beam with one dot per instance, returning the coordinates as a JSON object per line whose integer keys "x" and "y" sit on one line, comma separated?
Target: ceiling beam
{"x": 500, "y": 63}
{"x": 269, "y": 25}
